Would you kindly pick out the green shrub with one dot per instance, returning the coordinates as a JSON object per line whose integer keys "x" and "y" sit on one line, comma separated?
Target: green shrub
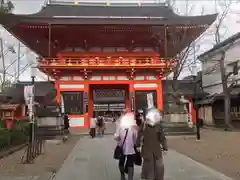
{"x": 18, "y": 135}
{"x": 2, "y": 124}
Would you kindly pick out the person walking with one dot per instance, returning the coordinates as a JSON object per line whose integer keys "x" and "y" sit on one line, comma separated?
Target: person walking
{"x": 66, "y": 123}
{"x": 126, "y": 136}
{"x": 151, "y": 141}
{"x": 139, "y": 117}
{"x": 93, "y": 122}
{"x": 100, "y": 126}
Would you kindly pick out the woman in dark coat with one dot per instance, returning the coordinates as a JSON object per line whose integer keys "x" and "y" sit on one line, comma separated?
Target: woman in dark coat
{"x": 66, "y": 121}
{"x": 153, "y": 141}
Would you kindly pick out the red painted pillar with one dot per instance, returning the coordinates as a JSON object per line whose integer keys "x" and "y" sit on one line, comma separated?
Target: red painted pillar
{"x": 192, "y": 111}
{"x": 159, "y": 96}
{"x": 127, "y": 98}
{"x": 9, "y": 123}
{"x": 90, "y": 103}
{"x": 58, "y": 92}
{"x": 131, "y": 98}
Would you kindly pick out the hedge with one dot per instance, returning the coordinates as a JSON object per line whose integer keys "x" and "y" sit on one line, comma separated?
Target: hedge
{"x": 16, "y": 136}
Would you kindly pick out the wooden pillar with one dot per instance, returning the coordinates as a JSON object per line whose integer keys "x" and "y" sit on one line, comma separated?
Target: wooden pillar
{"x": 132, "y": 98}
{"x": 165, "y": 41}
{"x": 159, "y": 95}
{"x": 90, "y": 103}
{"x": 87, "y": 111}
{"x": 49, "y": 39}
{"x": 127, "y": 98}
{"x": 58, "y": 92}
{"x": 192, "y": 111}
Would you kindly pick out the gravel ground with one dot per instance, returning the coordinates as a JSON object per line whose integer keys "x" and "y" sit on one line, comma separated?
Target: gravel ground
{"x": 217, "y": 149}
{"x": 50, "y": 161}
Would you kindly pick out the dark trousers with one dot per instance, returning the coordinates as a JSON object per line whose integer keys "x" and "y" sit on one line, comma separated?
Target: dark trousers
{"x": 198, "y": 132}
{"x": 93, "y": 132}
{"x": 125, "y": 162}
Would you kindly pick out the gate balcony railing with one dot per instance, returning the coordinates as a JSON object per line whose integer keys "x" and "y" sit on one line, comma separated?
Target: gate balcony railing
{"x": 108, "y": 61}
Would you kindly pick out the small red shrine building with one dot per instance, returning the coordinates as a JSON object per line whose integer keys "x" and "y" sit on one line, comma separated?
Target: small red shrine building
{"x": 97, "y": 50}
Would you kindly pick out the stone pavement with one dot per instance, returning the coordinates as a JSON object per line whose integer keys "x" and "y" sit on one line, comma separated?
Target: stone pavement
{"x": 91, "y": 159}
{"x": 45, "y": 176}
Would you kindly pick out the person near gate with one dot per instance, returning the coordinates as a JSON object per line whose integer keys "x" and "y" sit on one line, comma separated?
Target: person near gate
{"x": 126, "y": 136}
{"x": 93, "y": 122}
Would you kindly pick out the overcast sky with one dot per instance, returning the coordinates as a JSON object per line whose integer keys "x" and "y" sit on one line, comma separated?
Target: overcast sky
{"x": 230, "y": 26}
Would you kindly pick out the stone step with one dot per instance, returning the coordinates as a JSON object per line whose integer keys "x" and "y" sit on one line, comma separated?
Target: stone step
{"x": 172, "y": 129}
{"x": 179, "y": 133}
{"x": 178, "y": 129}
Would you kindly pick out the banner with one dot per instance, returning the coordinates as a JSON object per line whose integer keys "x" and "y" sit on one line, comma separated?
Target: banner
{"x": 28, "y": 96}
{"x": 150, "y": 100}
{"x": 28, "y": 93}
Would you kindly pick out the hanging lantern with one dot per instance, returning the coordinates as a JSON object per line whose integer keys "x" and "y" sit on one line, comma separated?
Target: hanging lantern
{"x": 76, "y": 3}
{"x": 107, "y": 3}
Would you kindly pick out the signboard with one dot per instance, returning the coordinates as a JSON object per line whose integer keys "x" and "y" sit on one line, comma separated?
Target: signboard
{"x": 116, "y": 107}
{"x": 109, "y": 107}
{"x": 28, "y": 93}
{"x": 28, "y": 96}
{"x": 108, "y": 95}
{"x": 100, "y": 107}
{"x": 150, "y": 102}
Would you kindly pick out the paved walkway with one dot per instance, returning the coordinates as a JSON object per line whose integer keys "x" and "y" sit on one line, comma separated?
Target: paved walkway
{"x": 91, "y": 159}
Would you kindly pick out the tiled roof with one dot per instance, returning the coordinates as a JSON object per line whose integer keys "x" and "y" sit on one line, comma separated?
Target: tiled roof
{"x": 9, "y": 106}
{"x": 226, "y": 42}
{"x": 43, "y": 89}
{"x": 99, "y": 14}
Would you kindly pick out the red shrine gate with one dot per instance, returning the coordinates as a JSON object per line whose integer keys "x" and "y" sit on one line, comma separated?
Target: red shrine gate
{"x": 131, "y": 72}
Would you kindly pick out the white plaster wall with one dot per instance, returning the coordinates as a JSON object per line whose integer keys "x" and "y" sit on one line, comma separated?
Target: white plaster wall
{"x": 233, "y": 53}
{"x": 211, "y": 72}
{"x": 213, "y": 89}
{"x": 212, "y": 64}
{"x": 205, "y": 113}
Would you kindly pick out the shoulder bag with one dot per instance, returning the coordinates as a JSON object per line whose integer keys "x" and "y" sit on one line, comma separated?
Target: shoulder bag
{"x": 118, "y": 152}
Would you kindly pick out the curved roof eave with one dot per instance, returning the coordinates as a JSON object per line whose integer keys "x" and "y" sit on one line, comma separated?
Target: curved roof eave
{"x": 12, "y": 19}
{"x": 222, "y": 44}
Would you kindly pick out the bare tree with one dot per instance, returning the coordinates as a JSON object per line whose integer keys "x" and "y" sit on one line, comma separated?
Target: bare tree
{"x": 225, "y": 5}
{"x": 5, "y": 7}
{"x": 219, "y": 33}
{"x": 179, "y": 37}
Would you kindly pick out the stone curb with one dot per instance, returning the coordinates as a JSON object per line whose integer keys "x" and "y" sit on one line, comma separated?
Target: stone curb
{"x": 12, "y": 150}
{"x": 219, "y": 129}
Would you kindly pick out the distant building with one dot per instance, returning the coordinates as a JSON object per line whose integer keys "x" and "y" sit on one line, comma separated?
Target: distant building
{"x": 211, "y": 76}
{"x": 212, "y": 83}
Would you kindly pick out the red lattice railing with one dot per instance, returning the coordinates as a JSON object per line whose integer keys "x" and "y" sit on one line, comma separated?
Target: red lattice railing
{"x": 108, "y": 61}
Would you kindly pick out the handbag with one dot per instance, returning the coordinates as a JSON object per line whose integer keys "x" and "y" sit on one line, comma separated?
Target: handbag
{"x": 118, "y": 152}
{"x": 137, "y": 158}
